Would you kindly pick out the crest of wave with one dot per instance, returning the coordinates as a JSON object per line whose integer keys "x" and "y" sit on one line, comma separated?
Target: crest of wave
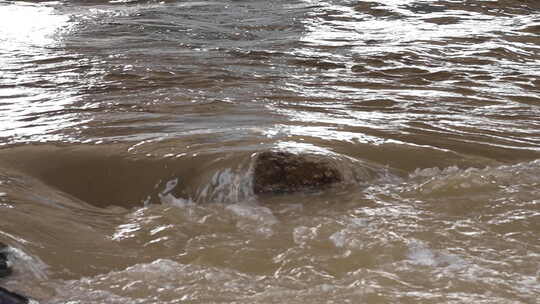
{"x": 508, "y": 178}
{"x": 233, "y": 184}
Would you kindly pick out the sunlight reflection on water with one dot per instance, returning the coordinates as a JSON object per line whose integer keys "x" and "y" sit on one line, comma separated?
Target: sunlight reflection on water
{"x": 30, "y": 41}
{"x": 27, "y": 25}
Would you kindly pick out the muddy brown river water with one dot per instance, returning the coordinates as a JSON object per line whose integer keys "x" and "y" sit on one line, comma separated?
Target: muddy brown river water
{"x": 128, "y": 131}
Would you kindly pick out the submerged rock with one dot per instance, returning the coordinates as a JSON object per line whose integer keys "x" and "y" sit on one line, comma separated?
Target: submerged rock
{"x": 284, "y": 172}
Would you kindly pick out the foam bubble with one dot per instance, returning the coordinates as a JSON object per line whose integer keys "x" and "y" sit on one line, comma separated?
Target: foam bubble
{"x": 348, "y": 236}
{"x": 303, "y": 234}
{"x": 339, "y": 238}
{"x": 420, "y": 254}
{"x": 253, "y": 213}
{"x": 254, "y": 218}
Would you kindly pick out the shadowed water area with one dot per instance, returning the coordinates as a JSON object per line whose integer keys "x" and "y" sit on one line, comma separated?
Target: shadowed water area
{"x": 129, "y": 132}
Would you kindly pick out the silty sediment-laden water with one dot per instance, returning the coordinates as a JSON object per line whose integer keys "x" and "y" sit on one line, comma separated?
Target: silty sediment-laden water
{"x": 128, "y": 131}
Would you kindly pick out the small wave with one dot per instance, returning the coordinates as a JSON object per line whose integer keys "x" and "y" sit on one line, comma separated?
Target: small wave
{"x": 229, "y": 186}
{"x": 168, "y": 280}
{"x": 224, "y": 186}
{"x": 458, "y": 181}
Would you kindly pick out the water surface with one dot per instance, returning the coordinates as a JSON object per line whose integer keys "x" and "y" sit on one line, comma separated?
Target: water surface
{"x": 128, "y": 131}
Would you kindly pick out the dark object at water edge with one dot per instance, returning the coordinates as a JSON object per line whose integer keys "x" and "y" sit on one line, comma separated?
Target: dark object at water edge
{"x": 5, "y": 270}
{"x": 6, "y": 296}
{"x": 285, "y": 172}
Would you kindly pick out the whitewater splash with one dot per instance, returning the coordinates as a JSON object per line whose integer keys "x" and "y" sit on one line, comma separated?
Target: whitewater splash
{"x": 232, "y": 185}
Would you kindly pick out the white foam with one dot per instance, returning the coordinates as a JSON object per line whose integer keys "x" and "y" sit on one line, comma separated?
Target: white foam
{"x": 431, "y": 172}
{"x": 358, "y": 222}
{"x": 252, "y": 212}
{"x": 167, "y": 198}
{"x": 475, "y": 180}
{"x": 303, "y": 234}
{"x": 420, "y": 254}
{"x": 339, "y": 238}
{"x": 172, "y": 200}
{"x": 348, "y": 236}
{"x": 165, "y": 280}
{"x": 253, "y": 218}
{"x": 228, "y": 186}
{"x": 27, "y": 264}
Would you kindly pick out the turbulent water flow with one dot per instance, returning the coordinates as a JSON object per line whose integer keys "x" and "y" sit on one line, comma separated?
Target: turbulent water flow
{"x": 129, "y": 132}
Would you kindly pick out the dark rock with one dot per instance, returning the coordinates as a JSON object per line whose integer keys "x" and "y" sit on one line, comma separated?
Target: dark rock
{"x": 9, "y": 297}
{"x": 6, "y": 296}
{"x": 5, "y": 270}
{"x": 284, "y": 172}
